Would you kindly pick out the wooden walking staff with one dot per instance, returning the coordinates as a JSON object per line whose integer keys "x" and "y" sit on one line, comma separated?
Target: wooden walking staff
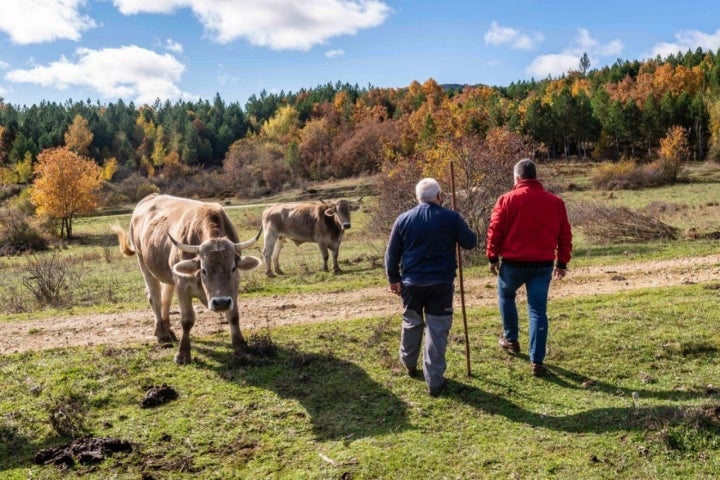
{"x": 460, "y": 276}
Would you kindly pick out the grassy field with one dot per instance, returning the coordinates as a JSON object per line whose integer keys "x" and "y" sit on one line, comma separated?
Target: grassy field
{"x": 633, "y": 391}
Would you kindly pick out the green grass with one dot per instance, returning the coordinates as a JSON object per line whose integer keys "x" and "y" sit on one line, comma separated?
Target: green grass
{"x": 336, "y": 390}
{"x": 333, "y": 402}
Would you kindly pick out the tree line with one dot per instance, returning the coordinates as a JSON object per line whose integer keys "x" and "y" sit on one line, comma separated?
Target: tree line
{"x": 628, "y": 110}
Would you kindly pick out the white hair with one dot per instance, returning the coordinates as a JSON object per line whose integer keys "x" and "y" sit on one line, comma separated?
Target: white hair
{"x": 427, "y": 189}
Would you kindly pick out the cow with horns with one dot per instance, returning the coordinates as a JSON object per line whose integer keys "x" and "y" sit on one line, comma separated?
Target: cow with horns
{"x": 192, "y": 248}
{"x": 322, "y": 223}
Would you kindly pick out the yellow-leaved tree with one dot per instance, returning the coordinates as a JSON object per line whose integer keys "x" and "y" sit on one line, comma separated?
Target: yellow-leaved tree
{"x": 66, "y": 184}
{"x": 674, "y": 151}
{"x": 79, "y": 136}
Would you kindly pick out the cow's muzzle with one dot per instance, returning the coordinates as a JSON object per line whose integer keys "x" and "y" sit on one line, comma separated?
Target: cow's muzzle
{"x": 346, "y": 226}
{"x": 220, "y": 304}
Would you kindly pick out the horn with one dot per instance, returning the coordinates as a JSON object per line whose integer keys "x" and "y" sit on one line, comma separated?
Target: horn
{"x": 248, "y": 243}
{"x": 194, "y": 249}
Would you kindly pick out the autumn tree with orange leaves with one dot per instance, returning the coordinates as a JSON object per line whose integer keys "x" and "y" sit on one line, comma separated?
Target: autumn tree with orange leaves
{"x": 66, "y": 184}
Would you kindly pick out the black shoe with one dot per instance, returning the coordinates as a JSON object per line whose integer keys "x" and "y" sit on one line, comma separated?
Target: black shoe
{"x": 436, "y": 391}
{"x": 412, "y": 372}
{"x": 513, "y": 348}
{"x": 538, "y": 369}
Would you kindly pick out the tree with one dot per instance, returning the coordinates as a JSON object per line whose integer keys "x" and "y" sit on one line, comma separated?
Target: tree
{"x": 674, "y": 151}
{"x": 78, "y": 136}
{"x": 584, "y": 64}
{"x": 66, "y": 184}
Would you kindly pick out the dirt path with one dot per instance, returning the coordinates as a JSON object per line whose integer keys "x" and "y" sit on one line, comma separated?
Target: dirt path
{"x": 136, "y": 326}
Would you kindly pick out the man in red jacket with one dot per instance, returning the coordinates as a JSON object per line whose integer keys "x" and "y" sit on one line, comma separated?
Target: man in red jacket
{"x": 529, "y": 241}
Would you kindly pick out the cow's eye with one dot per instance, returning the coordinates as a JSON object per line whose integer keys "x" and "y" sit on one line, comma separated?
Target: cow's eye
{"x": 203, "y": 272}
{"x": 234, "y": 269}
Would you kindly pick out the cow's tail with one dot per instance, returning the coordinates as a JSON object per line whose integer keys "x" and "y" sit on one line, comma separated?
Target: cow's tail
{"x": 126, "y": 247}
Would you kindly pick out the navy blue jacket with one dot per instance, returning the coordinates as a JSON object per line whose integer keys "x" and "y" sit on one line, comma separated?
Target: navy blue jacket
{"x": 421, "y": 250}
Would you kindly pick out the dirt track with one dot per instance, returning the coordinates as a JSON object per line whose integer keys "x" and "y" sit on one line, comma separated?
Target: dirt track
{"x": 136, "y": 326}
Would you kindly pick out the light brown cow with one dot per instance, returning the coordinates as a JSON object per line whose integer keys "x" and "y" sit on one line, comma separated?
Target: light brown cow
{"x": 190, "y": 247}
{"x": 321, "y": 223}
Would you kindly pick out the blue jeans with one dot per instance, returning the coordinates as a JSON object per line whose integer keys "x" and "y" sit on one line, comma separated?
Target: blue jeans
{"x": 537, "y": 284}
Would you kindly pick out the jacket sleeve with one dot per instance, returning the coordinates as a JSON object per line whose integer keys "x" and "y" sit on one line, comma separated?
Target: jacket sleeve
{"x": 393, "y": 254}
{"x": 564, "y": 238}
{"x": 495, "y": 232}
{"x": 466, "y": 237}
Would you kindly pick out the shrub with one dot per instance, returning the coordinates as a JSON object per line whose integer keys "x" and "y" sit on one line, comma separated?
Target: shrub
{"x": 49, "y": 279}
{"x": 17, "y": 235}
{"x": 628, "y": 175}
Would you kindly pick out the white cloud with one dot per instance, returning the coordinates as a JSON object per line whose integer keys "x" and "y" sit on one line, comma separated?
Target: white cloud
{"x": 499, "y": 35}
{"x": 4, "y": 65}
{"x": 28, "y": 22}
{"x": 554, "y": 64}
{"x": 131, "y": 7}
{"x": 337, "y": 53}
{"x": 687, "y": 40}
{"x": 223, "y": 77}
{"x": 173, "y": 46}
{"x": 278, "y": 24}
{"x": 125, "y": 72}
{"x": 558, "y": 64}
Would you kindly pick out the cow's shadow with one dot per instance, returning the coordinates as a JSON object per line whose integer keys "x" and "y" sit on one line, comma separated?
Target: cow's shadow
{"x": 339, "y": 398}
{"x": 13, "y": 448}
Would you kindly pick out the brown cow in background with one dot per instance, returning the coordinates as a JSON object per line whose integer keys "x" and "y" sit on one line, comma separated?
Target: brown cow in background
{"x": 321, "y": 223}
{"x": 190, "y": 247}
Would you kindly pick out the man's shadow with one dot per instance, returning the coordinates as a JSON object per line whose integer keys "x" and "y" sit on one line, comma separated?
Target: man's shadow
{"x": 633, "y": 417}
{"x": 340, "y": 399}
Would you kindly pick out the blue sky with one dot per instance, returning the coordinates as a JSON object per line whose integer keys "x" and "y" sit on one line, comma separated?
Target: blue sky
{"x": 139, "y": 50}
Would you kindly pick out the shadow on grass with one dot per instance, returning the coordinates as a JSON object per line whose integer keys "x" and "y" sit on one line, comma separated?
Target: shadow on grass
{"x": 633, "y": 417}
{"x": 17, "y": 450}
{"x": 341, "y": 400}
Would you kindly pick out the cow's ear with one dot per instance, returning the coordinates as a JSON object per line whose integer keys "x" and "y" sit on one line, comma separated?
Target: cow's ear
{"x": 355, "y": 208}
{"x": 329, "y": 212}
{"x": 248, "y": 263}
{"x": 187, "y": 268}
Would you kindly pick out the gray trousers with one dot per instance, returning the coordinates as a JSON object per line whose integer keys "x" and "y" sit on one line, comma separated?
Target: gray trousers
{"x": 436, "y": 329}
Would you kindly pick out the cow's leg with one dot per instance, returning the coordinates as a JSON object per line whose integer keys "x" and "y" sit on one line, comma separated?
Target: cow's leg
{"x": 164, "y": 328}
{"x": 154, "y": 292}
{"x": 335, "y": 251}
{"x": 276, "y": 255}
{"x": 238, "y": 342}
{"x": 187, "y": 319}
{"x": 324, "y": 254}
{"x": 268, "y": 248}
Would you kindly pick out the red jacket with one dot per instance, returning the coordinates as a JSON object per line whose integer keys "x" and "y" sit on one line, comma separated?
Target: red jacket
{"x": 529, "y": 224}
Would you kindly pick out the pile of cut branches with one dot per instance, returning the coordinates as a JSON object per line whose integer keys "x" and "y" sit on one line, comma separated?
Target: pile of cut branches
{"x": 607, "y": 224}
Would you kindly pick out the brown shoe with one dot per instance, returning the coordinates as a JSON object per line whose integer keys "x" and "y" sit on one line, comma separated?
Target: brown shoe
{"x": 511, "y": 347}
{"x": 538, "y": 369}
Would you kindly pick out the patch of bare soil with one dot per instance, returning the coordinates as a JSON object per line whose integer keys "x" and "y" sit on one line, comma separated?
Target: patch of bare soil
{"x": 137, "y": 326}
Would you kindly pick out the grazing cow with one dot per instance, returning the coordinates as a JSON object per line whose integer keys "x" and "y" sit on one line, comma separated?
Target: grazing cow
{"x": 190, "y": 247}
{"x": 322, "y": 223}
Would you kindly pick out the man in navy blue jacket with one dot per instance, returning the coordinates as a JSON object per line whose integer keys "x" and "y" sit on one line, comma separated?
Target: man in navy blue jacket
{"x": 420, "y": 264}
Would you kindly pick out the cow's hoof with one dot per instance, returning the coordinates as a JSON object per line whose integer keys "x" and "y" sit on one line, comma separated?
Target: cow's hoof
{"x": 166, "y": 339}
{"x": 182, "y": 358}
{"x": 270, "y": 274}
{"x": 279, "y": 272}
{"x": 165, "y": 335}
